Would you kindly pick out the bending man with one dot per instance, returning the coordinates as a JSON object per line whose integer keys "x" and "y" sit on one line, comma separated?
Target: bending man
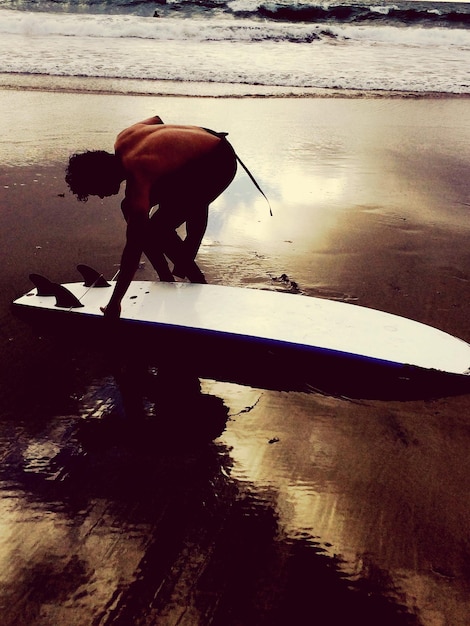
{"x": 182, "y": 169}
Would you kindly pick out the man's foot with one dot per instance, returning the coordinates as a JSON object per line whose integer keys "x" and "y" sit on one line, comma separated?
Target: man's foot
{"x": 198, "y": 278}
{"x": 166, "y": 278}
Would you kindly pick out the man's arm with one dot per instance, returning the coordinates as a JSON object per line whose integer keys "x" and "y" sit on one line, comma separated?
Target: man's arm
{"x": 135, "y": 209}
{"x": 130, "y": 260}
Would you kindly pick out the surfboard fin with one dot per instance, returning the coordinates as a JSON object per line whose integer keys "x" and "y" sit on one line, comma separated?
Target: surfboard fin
{"x": 45, "y": 287}
{"x": 91, "y": 277}
{"x": 64, "y": 299}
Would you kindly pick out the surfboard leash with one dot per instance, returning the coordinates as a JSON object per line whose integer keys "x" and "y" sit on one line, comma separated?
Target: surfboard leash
{"x": 89, "y": 288}
{"x": 223, "y": 135}
{"x": 92, "y": 279}
{"x": 253, "y": 180}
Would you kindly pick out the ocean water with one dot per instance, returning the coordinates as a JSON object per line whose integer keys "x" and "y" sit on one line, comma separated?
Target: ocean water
{"x": 236, "y": 47}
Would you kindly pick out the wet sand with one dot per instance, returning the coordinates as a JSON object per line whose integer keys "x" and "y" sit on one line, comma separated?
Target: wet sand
{"x": 240, "y": 505}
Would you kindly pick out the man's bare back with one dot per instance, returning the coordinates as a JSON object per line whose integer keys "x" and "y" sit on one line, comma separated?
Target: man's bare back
{"x": 161, "y": 149}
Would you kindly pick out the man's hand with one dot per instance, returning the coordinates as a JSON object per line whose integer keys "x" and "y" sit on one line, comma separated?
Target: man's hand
{"x": 111, "y": 311}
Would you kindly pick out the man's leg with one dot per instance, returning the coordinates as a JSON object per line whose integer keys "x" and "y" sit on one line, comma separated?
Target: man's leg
{"x": 185, "y": 265}
{"x": 160, "y": 264}
{"x": 163, "y": 238}
{"x": 196, "y": 225}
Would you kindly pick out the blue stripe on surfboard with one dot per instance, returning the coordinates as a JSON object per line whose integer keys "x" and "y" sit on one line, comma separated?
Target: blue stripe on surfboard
{"x": 279, "y": 344}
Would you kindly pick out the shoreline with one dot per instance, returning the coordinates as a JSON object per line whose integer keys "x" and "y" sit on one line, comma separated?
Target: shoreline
{"x": 177, "y": 89}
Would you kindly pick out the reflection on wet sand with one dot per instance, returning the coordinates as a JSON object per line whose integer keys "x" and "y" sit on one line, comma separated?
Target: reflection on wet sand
{"x": 157, "y": 409}
{"x": 354, "y": 473}
{"x": 187, "y": 535}
{"x": 228, "y": 504}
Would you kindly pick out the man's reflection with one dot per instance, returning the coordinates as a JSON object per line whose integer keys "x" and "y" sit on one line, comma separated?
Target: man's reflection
{"x": 159, "y": 407}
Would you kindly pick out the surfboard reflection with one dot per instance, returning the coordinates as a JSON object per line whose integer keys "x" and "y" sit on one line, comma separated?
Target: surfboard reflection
{"x": 274, "y": 366}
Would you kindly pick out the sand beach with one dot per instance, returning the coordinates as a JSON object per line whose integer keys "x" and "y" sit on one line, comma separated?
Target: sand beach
{"x": 347, "y": 511}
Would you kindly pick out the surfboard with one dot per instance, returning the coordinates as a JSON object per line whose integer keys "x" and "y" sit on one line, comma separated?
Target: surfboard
{"x": 260, "y": 334}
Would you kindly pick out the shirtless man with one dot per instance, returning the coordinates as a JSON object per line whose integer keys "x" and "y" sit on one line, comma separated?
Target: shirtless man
{"x": 182, "y": 169}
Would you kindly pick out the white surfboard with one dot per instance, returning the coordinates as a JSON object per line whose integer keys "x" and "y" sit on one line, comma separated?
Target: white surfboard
{"x": 291, "y": 326}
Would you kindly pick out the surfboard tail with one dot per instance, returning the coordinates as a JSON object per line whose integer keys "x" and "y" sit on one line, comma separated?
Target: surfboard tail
{"x": 92, "y": 277}
{"x": 65, "y": 299}
{"x": 44, "y": 286}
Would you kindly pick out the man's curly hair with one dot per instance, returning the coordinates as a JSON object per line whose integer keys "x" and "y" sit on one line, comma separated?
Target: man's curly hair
{"x": 87, "y": 170}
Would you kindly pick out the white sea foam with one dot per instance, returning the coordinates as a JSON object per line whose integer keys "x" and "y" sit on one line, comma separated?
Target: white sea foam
{"x": 125, "y": 26}
{"x": 383, "y": 10}
{"x": 223, "y": 50}
{"x": 223, "y": 29}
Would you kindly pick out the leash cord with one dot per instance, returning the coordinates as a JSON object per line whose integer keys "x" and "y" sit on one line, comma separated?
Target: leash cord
{"x": 223, "y": 136}
{"x": 253, "y": 180}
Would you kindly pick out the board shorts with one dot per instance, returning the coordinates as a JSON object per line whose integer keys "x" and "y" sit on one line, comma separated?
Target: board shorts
{"x": 198, "y": 183}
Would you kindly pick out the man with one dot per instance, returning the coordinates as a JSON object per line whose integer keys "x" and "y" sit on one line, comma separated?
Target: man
{"x": 182, "y": 169}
